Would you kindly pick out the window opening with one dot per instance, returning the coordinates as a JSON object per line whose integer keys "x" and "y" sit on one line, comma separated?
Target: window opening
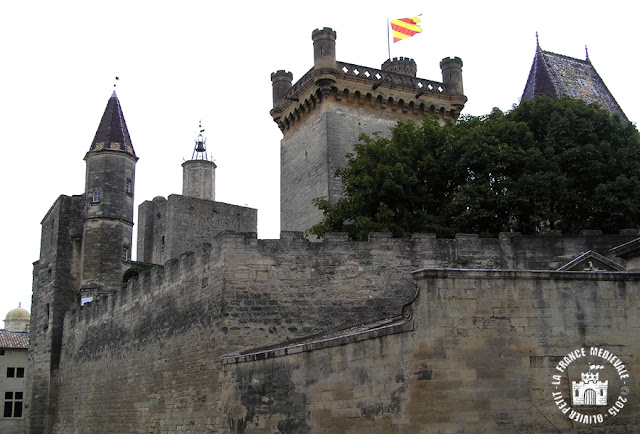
{"x": 13, "y": 404}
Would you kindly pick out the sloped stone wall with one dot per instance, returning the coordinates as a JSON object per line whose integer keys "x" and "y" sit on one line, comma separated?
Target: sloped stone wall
{"x": 477, "y": 354}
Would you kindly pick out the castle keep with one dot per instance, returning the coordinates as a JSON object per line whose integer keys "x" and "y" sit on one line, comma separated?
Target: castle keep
{"x": 230, "y": 333}
{"x": 323, "y": 114}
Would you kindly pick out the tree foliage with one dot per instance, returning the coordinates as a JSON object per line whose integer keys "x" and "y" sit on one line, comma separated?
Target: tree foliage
{"x": 547, "y": 164}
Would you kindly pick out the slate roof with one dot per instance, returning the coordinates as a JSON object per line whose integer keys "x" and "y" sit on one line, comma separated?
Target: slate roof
{"x": 13, "y": 339}
{"x": 555, "y": 75}
{"x": 112, "y": 132}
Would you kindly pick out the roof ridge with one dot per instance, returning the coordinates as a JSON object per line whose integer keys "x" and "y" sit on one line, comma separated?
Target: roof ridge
{"x": 564, "y": 56}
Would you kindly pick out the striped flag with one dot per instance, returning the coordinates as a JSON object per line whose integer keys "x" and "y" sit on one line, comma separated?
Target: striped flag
{"x": 405, "y": 28}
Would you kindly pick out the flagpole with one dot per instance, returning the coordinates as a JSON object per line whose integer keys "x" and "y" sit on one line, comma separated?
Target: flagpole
{"x": 388, "y": 43}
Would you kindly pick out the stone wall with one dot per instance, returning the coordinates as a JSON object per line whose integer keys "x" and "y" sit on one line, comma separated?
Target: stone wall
{"x": 55, "y": 290}
{"x": 147, "y": 359}
{"x": 312, "y": 150}
{"x": 475, "y": 352}
{"x": 168, "y": 228}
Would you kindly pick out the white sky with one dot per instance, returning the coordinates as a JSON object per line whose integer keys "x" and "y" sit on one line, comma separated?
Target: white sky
{"x": 181, "y": 62}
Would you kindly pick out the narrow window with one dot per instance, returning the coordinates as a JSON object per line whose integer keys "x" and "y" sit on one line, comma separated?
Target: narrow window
{"x": 96, "y": 196}
{"x": 125, "y": 254}
{"x": 11, "y": 372}
{"x": 127, "y": 185}
{"x": 8, "y": 404}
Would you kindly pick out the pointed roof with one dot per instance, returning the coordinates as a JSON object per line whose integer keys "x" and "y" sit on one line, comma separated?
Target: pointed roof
{"x": 591, "y": 261}
{"x": 112, "y": 132}
{"x": 555, "y": 75}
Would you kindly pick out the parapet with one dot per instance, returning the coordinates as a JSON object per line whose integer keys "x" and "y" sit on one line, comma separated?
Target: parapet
{"x": 451, "y": 62}
{"x": 393, "y": 88}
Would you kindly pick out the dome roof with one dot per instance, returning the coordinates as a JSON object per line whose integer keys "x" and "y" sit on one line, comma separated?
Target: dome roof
{"x": 18, "y": 313}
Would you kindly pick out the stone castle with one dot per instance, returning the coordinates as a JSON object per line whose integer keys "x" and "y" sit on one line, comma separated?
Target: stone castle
{"x": 224, "y": 332}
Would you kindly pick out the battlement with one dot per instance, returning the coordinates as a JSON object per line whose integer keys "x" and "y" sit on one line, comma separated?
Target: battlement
{"x": 367, "y": 87}
{"x": 234, "y": 255}
{"x": 451, "y": 62}
{"x": 395, "y": 86}
{"x": 401, "y": 65}
{"x": 588, "y": 377}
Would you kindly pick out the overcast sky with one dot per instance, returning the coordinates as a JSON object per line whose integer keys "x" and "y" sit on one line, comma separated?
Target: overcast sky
{"x": 182, "y": 62}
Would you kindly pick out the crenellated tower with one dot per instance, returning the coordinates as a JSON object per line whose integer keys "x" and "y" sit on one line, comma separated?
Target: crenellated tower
{"x": 108, "y": 220}
{"x": 322, "y": 116}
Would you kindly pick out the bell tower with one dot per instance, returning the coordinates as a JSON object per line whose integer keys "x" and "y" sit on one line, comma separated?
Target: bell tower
{"x": 109, "y": 189}
{"x": 199, "y": 173}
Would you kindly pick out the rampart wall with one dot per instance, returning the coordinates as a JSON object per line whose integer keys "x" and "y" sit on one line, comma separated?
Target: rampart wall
{"x": 476, "y": 353}
{"x": 147, "y": 359}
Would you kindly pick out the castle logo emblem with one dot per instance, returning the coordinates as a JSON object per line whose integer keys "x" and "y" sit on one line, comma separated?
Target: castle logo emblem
{"x": 590, "y": 391}
{"x": 599, "y": 395}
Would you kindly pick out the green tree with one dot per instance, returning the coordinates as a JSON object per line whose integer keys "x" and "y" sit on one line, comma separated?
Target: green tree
{"x": 546, "y": 164}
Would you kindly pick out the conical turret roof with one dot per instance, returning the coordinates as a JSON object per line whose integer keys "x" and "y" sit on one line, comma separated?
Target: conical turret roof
{"x": 555, "y": 75}
{"x": 112, "y": 132}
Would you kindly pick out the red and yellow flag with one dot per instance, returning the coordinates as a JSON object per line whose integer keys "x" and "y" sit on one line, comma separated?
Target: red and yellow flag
{"x": 405, "y": 28}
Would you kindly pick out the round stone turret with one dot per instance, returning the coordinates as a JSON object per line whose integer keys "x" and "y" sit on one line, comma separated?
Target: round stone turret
{"x": 109, "y": 199}
{"x": 199, "y": 173}
{"x": 452, "y": 75}
{"x": 401, "y": 65}
{"x": 324, "y": 48}
{"x": 198, "y": 179}
{"x": 281, "y": 82}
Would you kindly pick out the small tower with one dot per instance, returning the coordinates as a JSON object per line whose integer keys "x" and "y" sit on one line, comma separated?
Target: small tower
{"x": 325, "y": 67}
{"x": 199, "y": 173}
{"x": 108, "y": 222}
{"x": 452, "y": 75}
{"x": 401, "y": 65}
{"x": 281, "y": 83}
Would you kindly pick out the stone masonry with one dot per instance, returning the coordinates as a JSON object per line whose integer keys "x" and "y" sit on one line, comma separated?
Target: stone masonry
{"x": 151, "y": 352}
{"x": 225, "y": 332}
{"x": 323, "y": 115}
